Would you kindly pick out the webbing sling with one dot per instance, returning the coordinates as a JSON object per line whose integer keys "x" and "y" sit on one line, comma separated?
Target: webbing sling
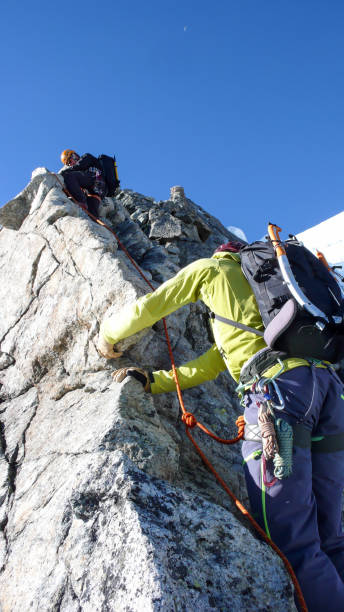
{"x": 302, "y": 437}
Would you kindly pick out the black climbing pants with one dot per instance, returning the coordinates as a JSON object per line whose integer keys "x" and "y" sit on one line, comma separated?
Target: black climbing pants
{"x": 77, "y": 182}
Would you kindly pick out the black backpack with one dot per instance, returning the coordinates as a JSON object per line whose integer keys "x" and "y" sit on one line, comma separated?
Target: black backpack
{"x": 110, "y": 173}
{"x": 290, "y": 327}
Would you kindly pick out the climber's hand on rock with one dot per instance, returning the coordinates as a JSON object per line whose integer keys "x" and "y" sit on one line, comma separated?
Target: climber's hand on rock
{"x": 105, "y": 349}
{"x": 141, "y": 375}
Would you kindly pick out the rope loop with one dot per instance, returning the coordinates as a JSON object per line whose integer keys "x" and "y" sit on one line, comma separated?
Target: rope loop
{"x": 240, "y": 423}
{"x": 189, "y": 419}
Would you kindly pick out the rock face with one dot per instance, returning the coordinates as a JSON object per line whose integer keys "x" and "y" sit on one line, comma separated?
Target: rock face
{"x": 104, "y": 503}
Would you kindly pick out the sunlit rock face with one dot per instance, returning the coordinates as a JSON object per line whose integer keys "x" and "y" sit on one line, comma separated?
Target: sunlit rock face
{"x": 104, "y": 503}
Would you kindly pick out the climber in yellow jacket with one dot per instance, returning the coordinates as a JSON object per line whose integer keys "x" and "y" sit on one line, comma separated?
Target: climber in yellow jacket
{"x": 219, "y": 283}
{"x": 301, "y": 513}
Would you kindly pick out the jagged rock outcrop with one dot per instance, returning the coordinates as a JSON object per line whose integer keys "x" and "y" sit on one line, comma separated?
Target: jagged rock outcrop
{"x": 104, "y": 503}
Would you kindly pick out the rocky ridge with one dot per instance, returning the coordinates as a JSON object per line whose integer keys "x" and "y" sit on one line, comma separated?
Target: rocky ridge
{"x": 104, "y": 505}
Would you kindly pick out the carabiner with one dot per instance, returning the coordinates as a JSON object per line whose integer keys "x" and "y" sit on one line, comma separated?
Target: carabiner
{"x": 281, "y": 404}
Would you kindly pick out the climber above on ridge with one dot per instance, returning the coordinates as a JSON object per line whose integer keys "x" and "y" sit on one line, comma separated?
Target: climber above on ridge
{"x": 89, "y": 179}
{"x": 69, "y": 157}
{"x": 301, "y": 513}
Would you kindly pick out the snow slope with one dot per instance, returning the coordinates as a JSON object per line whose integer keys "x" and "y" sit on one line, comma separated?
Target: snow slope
{"x": 327, "y": 237}
{"x": 237, "y": 231}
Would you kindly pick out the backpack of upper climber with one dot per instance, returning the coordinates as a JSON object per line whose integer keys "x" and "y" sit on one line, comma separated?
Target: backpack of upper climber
{"x": 110, "y": 173}
{"x": 300, "y": 301}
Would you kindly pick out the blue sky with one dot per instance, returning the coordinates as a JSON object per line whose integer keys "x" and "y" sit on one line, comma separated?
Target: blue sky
{"x": 239, "y": 101}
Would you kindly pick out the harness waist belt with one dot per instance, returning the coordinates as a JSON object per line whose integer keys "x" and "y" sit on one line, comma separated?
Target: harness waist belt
{"x": 302, "y": 437}
{"x": 259, "y": 363}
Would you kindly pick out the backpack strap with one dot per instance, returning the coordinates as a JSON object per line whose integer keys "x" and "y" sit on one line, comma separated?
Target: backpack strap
{"x": 213, "y": 315}
{"x": 280, "y": 322}
{"x": 276, "y": 327}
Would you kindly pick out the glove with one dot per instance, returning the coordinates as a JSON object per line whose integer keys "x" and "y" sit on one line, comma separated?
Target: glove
{"x": 141, "y": 375}
{"x": 105, "y": 349}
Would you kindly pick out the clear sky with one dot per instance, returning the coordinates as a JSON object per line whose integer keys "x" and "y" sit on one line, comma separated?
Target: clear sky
{"x": 239, "y": 101}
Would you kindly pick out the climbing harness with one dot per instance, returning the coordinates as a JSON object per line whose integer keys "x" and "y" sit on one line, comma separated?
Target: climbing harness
{"x": 275, "y": 434}
{"x": 259, "y": 363}
{"x": 190, "y": 422}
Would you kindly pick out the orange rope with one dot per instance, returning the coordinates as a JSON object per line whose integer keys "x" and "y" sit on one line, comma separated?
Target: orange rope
{"x": 190, "y": 421}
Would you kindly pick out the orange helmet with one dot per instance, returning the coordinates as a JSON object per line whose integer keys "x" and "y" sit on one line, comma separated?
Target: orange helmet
{"x": 65, "y": 156}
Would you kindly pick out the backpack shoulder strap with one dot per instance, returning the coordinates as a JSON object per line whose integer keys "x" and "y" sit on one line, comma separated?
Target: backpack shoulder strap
{"x": 236, "y": 324}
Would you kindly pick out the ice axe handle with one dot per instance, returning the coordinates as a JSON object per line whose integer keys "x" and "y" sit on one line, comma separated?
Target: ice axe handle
{"x": 323, "y": 260}
{"x": 275, "y": 239}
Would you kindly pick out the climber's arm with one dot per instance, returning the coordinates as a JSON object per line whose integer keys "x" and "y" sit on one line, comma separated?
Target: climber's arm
{"x": 147, "y": 310}
{"x": 206, "y": 367}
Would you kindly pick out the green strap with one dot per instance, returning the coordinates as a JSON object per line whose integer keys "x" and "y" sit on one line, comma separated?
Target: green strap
{"x": 328, "y": 444}
{"x": 264, "y": 501}
{"x": 255, "y": 455}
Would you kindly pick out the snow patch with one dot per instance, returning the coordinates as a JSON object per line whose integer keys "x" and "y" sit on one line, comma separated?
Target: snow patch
{"x": 237, "y": 232}
{"x": 327, "y": 237}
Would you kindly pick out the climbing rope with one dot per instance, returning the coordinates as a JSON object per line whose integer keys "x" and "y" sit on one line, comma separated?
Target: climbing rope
{"x": 283, "y": 460}
{"x": 190, "y": 422}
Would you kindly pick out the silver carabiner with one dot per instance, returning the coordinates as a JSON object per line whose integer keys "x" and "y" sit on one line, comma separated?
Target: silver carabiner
{"x": 281, "y": 404}
{"x": 261, "y": 383}
{"x": 266, "y": 382}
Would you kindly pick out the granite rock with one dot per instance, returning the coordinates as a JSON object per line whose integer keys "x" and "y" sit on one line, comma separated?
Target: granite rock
{"x": 104, "y": 504}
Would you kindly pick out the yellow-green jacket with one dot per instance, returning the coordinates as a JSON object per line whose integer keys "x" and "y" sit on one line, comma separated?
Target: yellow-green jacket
{"x": 219, "y": 283}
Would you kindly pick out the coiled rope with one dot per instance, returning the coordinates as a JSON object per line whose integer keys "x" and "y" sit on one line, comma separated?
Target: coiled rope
{"x": 283, "y": 460}
{"x": 190, "y": 421}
